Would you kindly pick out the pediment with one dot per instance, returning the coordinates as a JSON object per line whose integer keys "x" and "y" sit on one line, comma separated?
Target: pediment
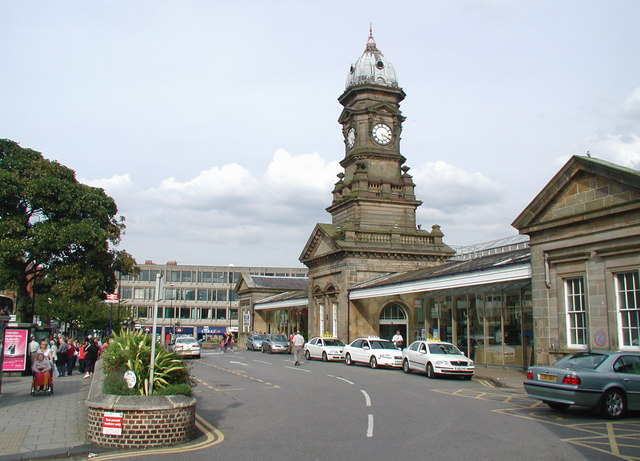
{"x": 584, "y": 188}
{"x": 319, "y": 243}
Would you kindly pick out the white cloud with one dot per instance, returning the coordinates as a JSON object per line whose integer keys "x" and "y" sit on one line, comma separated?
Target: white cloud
{"x": 623, "y": 149}
{"x": 444, "y": 186}
{"x": 118, "y": 183}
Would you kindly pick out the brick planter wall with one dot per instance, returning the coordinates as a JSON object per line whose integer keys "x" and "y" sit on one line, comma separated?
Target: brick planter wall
{"x": 153, "y": 421}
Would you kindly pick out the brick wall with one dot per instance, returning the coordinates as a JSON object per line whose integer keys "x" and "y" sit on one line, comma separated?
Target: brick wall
{"x": 143, "y": 428}
{"x": 147, "y": 421}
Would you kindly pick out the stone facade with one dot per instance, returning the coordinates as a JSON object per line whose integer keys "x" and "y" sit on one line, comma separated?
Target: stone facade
{"x": 584, "y": 230}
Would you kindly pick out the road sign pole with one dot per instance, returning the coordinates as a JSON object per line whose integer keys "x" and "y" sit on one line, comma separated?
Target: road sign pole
{"x": 152, "y": 362}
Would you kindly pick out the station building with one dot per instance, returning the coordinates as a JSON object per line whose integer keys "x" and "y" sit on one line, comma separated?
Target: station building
{"x": 569, "y": 282}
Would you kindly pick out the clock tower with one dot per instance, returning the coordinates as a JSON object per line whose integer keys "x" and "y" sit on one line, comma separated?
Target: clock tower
{"x": 373, "y": 230}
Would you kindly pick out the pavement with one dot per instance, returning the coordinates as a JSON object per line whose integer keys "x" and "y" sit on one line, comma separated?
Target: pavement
{"x": 50, "y": 427}
{"x": 43, "y": 426}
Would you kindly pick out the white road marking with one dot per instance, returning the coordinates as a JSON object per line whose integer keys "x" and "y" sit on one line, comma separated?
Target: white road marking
{"x": 296, "y": 368}
{"x": 341, "y": 379}
{"x": 366, "y": 397}
{"x": 370, "y": 426}
{"x": 261, "y": 361}
{"x": 239, "y": 363}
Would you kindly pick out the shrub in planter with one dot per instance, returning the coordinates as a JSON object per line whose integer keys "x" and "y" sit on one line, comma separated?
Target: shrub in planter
{"x": 132, "y": 351}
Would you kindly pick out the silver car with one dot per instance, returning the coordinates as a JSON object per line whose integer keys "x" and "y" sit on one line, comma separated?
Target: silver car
{"x": 276, "y": 343}
{"x": 606, "y": 381}
{"x": 254, "y": 342}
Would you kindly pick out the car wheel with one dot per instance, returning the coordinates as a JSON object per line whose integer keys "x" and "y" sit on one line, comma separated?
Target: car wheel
{"x": 613, "y": 404}
{"x": 347, "y": 359}
{"x": 430, "y": 372}
{"x": 307, "y": 355}
{"x": 405, "y": 366}
{"x": 557, "y": 405}
{"x": 324, "y": 357}
{"x": 373, "y": 363}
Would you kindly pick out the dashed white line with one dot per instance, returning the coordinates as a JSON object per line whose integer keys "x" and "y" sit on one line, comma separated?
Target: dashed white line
{"x": 367, "y": 399}
{"x": 341, "y": 379}
{"x": 370, "y": 426}
{"x": 262, "y": 361}
{"x": 298, "y": 369}
{"x": 239, "y": 363}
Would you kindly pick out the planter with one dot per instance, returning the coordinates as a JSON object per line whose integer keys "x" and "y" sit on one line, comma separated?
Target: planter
{"x": 126, "y": 421}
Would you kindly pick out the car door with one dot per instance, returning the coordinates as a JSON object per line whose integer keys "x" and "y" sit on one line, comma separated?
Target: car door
{"x": 411, "y": 353}
{"x": 356, "y": 351}
{"x": 627, "y": 368}
{"x": 421, "y": 357}
{"x": 312, "y": 346}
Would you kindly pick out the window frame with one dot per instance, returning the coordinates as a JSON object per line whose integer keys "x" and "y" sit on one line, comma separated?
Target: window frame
{"x": 574, "y": 313}
{"x": 622, "y": 293}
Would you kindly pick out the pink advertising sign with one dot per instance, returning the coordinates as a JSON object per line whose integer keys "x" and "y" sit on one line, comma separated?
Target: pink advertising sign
{"x": 15, "y": 350}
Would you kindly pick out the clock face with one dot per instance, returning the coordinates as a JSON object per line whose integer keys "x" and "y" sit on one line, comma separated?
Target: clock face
{"x": 381, "y": 134}
{"x": 351, "y": 137}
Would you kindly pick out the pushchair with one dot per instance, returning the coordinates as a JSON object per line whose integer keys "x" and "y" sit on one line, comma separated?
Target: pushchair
{"x": 40, "y": 385}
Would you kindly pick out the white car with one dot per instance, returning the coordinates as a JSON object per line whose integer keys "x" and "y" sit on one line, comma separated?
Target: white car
{"x": 187, "y": 346}
{"x": 374, "y": 351}
{"x": 435, "y": 357}
{"x": 324, "y": 348}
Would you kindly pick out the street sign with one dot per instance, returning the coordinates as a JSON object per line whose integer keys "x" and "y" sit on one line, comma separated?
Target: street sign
{"x": 112, "y": 423}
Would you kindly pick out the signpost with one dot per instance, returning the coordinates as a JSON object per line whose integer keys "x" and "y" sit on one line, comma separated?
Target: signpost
{"x": 153, "y": 331}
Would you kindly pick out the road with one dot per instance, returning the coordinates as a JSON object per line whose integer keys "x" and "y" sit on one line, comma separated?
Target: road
{"x": 268, "y": 409}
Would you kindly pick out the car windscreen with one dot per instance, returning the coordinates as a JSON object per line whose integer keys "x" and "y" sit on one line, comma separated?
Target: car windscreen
{"x": 589, "y": 360}
{"x": 186, "y": 341}
{"x": 278, "y": 338}
{"x": 382, "y": 345}
{"x": 333, "y": 342}
{"x": 258, "y": 337}
{"x": 448, "y": 349}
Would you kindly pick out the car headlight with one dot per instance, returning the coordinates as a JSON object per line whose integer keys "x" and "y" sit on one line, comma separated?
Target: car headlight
{"x": 470, "y": 363}
{"x": 442, "y": 363}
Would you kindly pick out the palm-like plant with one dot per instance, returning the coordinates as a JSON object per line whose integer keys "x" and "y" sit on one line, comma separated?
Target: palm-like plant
{"x": 132, "y": 351}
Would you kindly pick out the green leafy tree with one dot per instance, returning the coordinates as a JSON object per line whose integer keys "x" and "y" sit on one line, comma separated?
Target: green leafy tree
{"x": 53, "y": 230}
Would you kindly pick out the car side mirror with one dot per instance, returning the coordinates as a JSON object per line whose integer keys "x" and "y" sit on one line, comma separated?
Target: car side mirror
{"x": 366, "y": 348}
{"x": 423, "y": 351}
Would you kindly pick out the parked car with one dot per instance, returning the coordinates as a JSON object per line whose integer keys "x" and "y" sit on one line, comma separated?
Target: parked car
{"x": 374, "y": 351}
{"x": 276, "y": 344}
{"x": 435, "y": 357}
{"x": 324, "y": 348}
{"x": 254, "y": 342}
{"x": 187, "y": 346}
{"x": 606, "y": 381}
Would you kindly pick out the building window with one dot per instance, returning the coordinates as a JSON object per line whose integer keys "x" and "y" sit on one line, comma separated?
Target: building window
{"x": 628, "y": 290}
{"x": 576, "y": 303}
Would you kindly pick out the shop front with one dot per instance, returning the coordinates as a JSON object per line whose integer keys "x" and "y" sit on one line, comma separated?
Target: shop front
{"x": 491, "y": 323}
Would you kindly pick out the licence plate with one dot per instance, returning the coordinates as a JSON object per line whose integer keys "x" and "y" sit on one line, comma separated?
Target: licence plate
{"x": 543, "y": 377}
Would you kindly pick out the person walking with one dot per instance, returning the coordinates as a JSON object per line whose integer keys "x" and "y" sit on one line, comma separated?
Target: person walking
{"x": 91, "y": 354}
{"x": 72, "y": 353}
{"x": 298, "y": 344}
{"x": 61, "y": 361}
{"x": 81, "y": 357}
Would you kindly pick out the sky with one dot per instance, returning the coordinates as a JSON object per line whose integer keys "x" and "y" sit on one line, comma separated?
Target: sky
{"x": 213, "y": 124}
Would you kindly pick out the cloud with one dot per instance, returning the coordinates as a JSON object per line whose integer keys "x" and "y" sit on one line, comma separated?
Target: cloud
{"x": 118, "y": 183}
{"x": 249, "y": 217}
{"x": 623, "y": 149}
{"x": 443, "y": 186}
